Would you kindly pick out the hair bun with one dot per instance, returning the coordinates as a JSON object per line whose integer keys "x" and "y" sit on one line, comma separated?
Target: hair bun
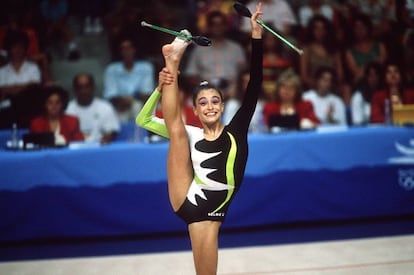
{"x": 204, "y": 83}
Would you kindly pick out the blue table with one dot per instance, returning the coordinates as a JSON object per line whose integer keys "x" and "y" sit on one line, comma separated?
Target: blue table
{"x": 120, "y": 189}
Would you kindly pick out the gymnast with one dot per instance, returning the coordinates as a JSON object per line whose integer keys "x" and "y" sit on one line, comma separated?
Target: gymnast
{"x": 205, "y": 166}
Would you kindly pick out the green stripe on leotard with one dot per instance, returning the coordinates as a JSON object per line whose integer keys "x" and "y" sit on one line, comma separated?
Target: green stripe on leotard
{"x": 229, "y": 171}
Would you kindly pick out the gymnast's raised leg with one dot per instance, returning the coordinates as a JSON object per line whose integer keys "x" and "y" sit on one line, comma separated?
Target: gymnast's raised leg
{"x": 204, "y": 234}
{"x": 179, "y": 168}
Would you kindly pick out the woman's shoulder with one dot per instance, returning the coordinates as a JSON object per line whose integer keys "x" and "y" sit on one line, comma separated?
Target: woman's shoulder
{"x": 70, "y": 118}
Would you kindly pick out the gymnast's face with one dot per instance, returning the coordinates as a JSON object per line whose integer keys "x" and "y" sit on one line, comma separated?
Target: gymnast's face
{"x": 209, "y": 106}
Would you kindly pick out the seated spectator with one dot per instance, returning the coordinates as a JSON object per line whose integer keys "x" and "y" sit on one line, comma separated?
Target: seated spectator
{"x": 314, "y": 7}
{"x": 55, "y": 16}
{"x": 319, "y": 50}
{"x": 65, "y": 127}
{"x": 226, "y": 7}
{"x": 128, "y": 82}
{"x": 365, "y": 48}
{"x": 329, "y": 108}
{"x": 98, "y": 119}
{"x": 361, "y": 98}
{"x": 288, "y": 110}
{"x": 395, "y": 92}
{"x": 257, "y": 124}
{"x": 17, "y": 78}
{"x": 343, "y": 19}
{"x": 379, "y": 11}
{"x": 408, "y": 53}
{"x": 15, "y": 22}
{"x": 275, "y": 61}
{"x": 220, "y": 64}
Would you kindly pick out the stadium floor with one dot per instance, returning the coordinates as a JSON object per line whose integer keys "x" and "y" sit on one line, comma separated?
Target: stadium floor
{"x": 384, "y": 246}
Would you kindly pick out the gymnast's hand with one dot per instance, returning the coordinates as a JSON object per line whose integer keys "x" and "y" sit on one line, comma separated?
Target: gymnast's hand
{"x": 257, "y": 30}
{"x": 164, "y": 78}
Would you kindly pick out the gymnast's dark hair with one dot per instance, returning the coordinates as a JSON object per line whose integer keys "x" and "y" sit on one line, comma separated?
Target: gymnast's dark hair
{"x": 204, "y": 85}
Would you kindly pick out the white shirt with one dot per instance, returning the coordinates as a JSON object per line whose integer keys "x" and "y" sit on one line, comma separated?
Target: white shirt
{"x": 322, "y": 104}
{"x": 120, "y": 82}
{"x": 28, "y": 73}
{"x": 277, "y": 12}
{"x": 96, "y": 119}
{"x": 360, "y": 109}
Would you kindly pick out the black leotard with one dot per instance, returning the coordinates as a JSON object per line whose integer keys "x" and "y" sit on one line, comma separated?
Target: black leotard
{"x": 218, "y": 165}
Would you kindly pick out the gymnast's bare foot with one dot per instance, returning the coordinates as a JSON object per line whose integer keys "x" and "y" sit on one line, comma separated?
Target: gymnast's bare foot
{"x": 174, "y": 51}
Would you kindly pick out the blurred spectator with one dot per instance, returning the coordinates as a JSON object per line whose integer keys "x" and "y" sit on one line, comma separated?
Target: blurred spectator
{"x": 226, "y": 7}
{"x": 343, "y": 19}
{"x": 314, "y": 7}
{"x": 64, "y": 126}
{"x": 128, "y": 82}
{"x": 98, "y": 119}
{"x": 18, "y": 79}
{"x": 220, "y": 64}
{"x": 408, "y": 52}
{"x": 395, "y": 92}
{"x": 55, "y": 15}
{"x": 329, "y": 108}
{"x": 288, "y": 110}
{"x": 379, "y": 11}
{"x": 365, "y": 88}
{"x": 257, "y": 124}
{"x": 15, "y": 22}
{"x": 364, "y": 49}
{"x": 125, "y": 23}
{"x": 275, "y": 61}
{"x": 276, "y": 12}
{"x": 320, "y": 50}
{"x": 92, "y": 13}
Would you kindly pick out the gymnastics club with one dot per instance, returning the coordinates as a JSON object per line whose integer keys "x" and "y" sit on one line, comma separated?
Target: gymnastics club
{"x": 199, "y": 40}
{"x": 244, "y": 11}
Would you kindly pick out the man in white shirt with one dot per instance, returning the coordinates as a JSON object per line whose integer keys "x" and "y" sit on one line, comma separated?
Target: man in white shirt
{"x": 129, "y": 82}
{"x": 328, "y": 107}
{"x": 98, "y": 119}
{"x": 15, "y": 79}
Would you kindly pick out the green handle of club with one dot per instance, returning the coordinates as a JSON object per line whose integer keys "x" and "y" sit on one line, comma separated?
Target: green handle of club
{"x": 175, "y": 33}
{"x": 299, "y": 51}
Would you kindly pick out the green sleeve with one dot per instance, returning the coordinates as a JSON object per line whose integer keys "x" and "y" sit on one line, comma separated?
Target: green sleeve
{"x": 147, "y": 119}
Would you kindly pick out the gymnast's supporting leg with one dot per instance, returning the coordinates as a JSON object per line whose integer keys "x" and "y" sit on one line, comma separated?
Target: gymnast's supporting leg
{"x": 204, "y": 243}
{"x": 179, "y": 169}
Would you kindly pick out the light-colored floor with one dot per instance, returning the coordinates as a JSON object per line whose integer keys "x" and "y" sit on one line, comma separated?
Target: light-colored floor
{"x": 385, "y": 255}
